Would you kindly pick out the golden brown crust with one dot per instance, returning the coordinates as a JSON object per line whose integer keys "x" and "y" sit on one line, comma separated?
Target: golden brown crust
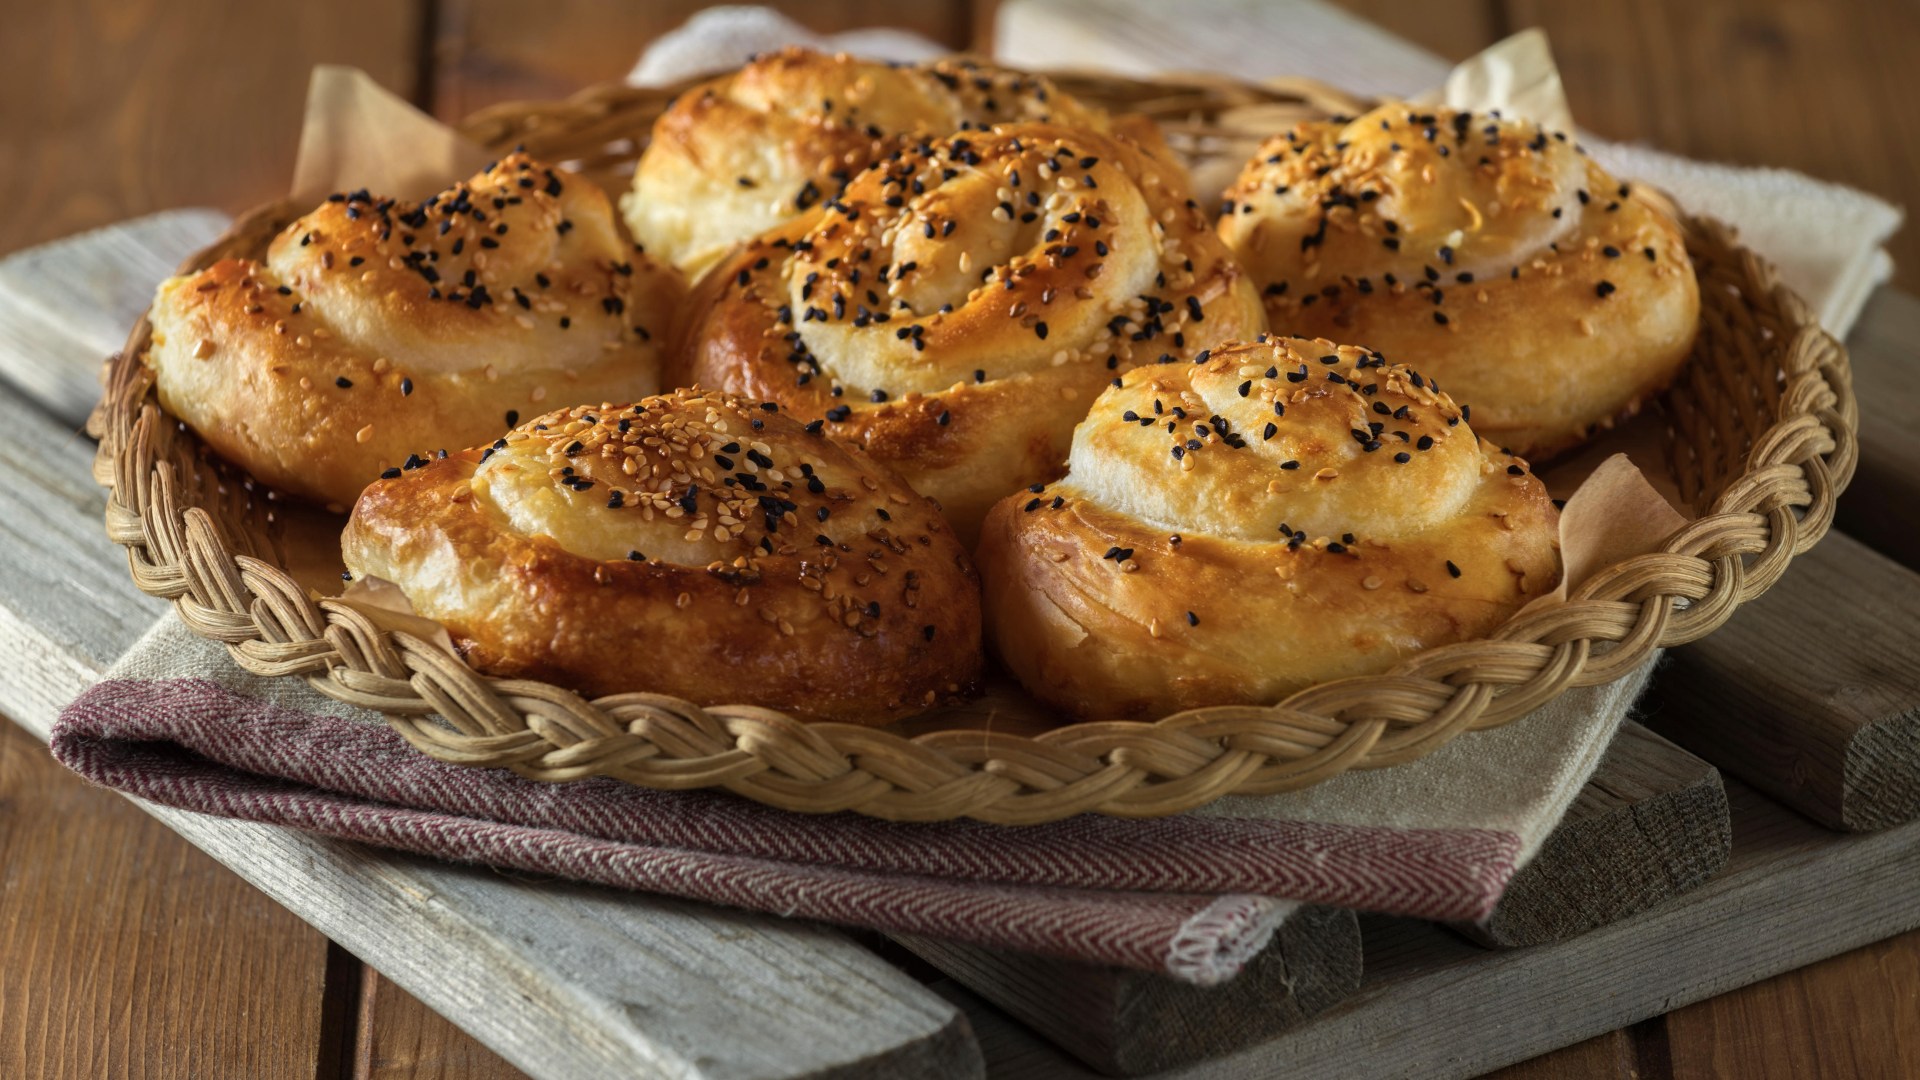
{"x": 694, "y": 544}
{"x": 741, "y": 154}
{"x": 375, "y": 329}
{"x": 955, "y": 311}
{"x": 1539, "y": 290}
{"x": 1233, "y": 531}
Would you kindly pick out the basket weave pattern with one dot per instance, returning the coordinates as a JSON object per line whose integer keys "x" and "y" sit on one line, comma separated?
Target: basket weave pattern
{"x": 1761, "y": 440}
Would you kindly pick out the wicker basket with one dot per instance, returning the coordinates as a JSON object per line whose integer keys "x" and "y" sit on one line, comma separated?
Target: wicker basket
{"x": 1761, "y": 439}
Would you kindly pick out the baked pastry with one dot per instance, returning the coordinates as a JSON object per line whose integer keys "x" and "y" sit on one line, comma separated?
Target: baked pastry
{"x": 736, "y": 156}
{"x": 693, "y": 544}
{"x": 377, "y": 329}
{"x": 1283, "y": 513}
{"x": 957, "y": 309}
{"x": 1544, "y": 293}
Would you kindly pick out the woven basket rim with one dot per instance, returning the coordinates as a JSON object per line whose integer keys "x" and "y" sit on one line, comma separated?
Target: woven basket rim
{"x": 226, "y": 589}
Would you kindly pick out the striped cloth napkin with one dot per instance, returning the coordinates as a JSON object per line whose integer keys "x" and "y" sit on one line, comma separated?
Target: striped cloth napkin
{"x": 1194, "y": 896}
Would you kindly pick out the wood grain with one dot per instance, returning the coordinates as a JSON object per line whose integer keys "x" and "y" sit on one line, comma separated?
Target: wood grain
{"x": 132, "y": 107}
{"x": 1433, "y": 1005}
{"x": 1650, "y": 825}
{"x": 1604, "y": 1057}
{"x": 399, "y": 1038}
{"x": 487, "y": 51}
{"x": 1882, "y": 507}
{"x": 1851, "y": 1016}
{"x": 1808, "y": 86}
{"x": 226, "y": 983}
{"x": 1812, "y": 692}
{"x": 1126, "y": 1023}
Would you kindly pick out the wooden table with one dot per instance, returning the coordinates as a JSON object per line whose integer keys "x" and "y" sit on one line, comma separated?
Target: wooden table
{"x": 126, "y": 951}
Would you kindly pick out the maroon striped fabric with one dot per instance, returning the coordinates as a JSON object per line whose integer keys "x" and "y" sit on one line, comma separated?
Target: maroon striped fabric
{"x": 1189, "y": 896}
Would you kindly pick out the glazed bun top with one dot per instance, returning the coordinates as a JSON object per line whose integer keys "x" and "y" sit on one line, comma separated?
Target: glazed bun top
{"x": 737, "y": 155}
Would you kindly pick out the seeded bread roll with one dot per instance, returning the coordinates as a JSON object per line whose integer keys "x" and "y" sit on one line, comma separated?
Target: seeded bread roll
{"x": 694, "y": 544}
{"x": 1229, "y": 532}
{"x": 1546, "y": 294}
{"x": 957, "y": 309}
{"x": 737, "y": 156}
{"x": 377, "y": 329}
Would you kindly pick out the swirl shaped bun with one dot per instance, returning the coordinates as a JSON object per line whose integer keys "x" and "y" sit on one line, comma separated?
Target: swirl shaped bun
{"x": 957, "y": 309}
{"x": 1228, "y": 532}
{"x": 1545, "y": 294}
{"x": 692, "y": 544}
{"x": 736, "y": 156}
{"x": 377, "y": 329}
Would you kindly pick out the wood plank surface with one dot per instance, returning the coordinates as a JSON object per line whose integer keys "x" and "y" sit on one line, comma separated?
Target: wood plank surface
{"x": 1851, "y": 1016}
{"x": 1433, "y": 1005}
{"x": 1812, "y": 692}
{"x": 1650, "y": 825}
{"x": 1807, "y": 86}
{"x": 1126, "y": 1023}
{"x": 400, "y": 1038}
{"x": 487, "y": 51}
{"x": 228, "y": 982}
{"x": 1882, "y": 507}
{"x": 126, "y": 108}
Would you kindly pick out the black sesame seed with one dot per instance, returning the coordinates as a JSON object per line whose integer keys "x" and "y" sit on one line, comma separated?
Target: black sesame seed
{"x": 1452, "y": 569}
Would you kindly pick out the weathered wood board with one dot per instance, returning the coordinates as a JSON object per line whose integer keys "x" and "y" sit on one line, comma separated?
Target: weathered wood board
{"x": 1432, "y": 1005}
{"x": 1650, "y": 825}
{"x": 1812, "y": 692}
{"x": 1126, "y": 1023}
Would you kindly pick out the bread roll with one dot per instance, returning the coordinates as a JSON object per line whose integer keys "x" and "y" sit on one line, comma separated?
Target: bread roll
{"x": 376, "y": 329}
{"x": 694, "y": 544}
{"x": 737, "y": 156}
{"x": 957, "y": 309}
{"x": 1231, "y": 531}
{"x": 1544, "y": 293}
